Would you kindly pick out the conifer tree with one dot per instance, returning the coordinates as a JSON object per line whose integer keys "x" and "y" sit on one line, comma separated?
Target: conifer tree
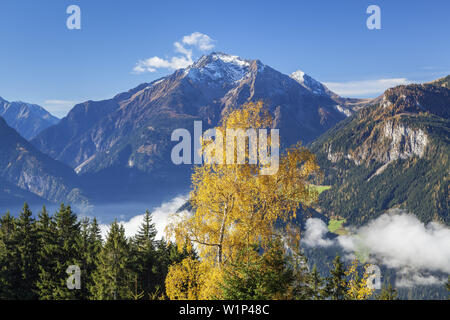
{"x": 145, "y": 238}
{"x": 164, "y": 259}
{"x": 46, "y": 229}
{"x": 388, "y": 293}
{"x": 145, "y": 260}
{"x": 68, "y": 232}
{"x": 316, "y": 284}
{"x": 303, "y": 285}
{"x": 300, "y": 289}
{"x": 277, "y": 276}
{"x": 8, "y": 256}
{"x": 90, "y": 244}
{"x": 255, "y": 276}
{"x": 27, "y": 250}
{"x": 113, "y": 278}
{"x": 95, "y": 241}
{"x": 336, "y": 287}
{"x": 62, "y": 253}
{"x": 83, "y": 244}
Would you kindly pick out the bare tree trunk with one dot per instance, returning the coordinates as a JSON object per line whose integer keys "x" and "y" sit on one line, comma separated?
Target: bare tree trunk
{"x": 222, "y": 234}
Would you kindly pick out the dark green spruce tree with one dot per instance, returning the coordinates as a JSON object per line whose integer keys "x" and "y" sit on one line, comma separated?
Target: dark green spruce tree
{"x": 63, "y": 251}
{"x": 255, "y": 276}
{"x": 144, "y": 259}
{"x": 113, "y": 279}
{"x": 27, "y": 249}
{"x": 316, "y": 284}
{"x": 336, "y": 287}
{"x": 301, "y": 287}
{"x": 388, "y": 293}
{"x": 8, "y": 257}
{"x": 46, "y": 229}
{"x": 89, "y": 245}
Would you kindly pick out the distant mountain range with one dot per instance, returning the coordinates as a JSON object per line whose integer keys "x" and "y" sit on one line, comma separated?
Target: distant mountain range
{"x": 27, "y": 119}
{"x": 124, "y": 143}
{"x": 376, "y": 154}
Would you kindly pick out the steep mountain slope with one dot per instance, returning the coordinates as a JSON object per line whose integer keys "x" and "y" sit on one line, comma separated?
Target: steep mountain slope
{"x": 127, "y": 139}
{"x": 442, "y": 82}
{"x": 393, "y": 153}
{"x": 24, "y": 167}
{"x": 11, "y": 195}
{"x": 311, "y": 84}
{"x": 27, "y": 119}
{"x": 345, "y": 105}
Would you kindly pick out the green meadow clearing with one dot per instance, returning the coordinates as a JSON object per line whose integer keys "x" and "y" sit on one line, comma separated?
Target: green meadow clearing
{"x": 336, "y": 226}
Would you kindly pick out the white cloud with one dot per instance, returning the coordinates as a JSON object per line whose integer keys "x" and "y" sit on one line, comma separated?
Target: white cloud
{"x": 397, "y": 240}
{"x": 160, "y": 217}
{"x": 400, "y": 240}
{"x": 365, "y": 88}
{"x": 407, "y": 278}
{"x": 179, "y": 48}
{"x": 199, "y": 40}
{"x": 315, "y": 231}
{"x": 195, "y": 40}
{"x": 154, "y": 63}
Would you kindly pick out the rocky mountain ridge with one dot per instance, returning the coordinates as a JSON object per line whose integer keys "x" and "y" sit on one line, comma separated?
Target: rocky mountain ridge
{"x": 27, "y": 119}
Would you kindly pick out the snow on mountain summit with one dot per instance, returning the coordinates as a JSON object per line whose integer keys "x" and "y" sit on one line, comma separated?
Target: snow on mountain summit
{"x": 298, "y": 75}
{"x": 227, "y": 58}
{"x": 309, "y": 83}
{"x": 219, "y": 66}
{"x": 319, "y": 89}
{"x": 223, "y": 57}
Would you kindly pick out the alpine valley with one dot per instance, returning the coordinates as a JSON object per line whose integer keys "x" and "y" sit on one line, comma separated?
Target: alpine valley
{"x": 120, "y": 148}
{"x": 376, "y": 154}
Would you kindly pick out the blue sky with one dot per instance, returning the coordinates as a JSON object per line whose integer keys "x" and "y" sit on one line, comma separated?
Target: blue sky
{"x": 43, "y": 62}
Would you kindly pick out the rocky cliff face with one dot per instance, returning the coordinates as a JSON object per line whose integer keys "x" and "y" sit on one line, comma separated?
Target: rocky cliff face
{"x": 394, "y": 141}
{"x": 405, "y": 142}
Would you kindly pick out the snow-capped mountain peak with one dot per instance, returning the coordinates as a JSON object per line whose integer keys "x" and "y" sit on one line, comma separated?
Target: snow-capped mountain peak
{"x": 226, "y": 58}
{"x": 298, "y": 75}
{"x": 219, "y": 66}
{"x": 309, "y": 83}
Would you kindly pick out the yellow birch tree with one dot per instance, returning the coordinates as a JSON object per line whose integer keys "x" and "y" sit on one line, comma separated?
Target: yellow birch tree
{"x": 234, "y": 206}
{"x": 358, "y": 287}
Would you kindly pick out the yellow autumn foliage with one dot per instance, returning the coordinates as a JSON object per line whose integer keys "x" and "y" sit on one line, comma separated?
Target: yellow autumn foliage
{"x": 234, "y": 206}
{"x": 184, "y": 280}
{"x": 358, "y": 288}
